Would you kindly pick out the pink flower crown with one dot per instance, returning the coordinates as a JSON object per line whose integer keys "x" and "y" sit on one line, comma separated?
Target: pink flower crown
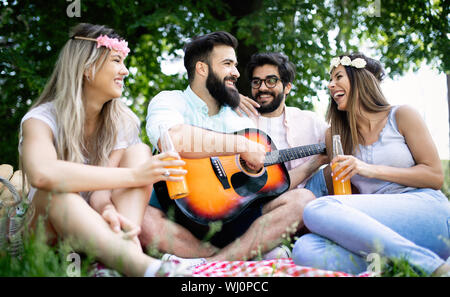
{"x": 111, "y": 43}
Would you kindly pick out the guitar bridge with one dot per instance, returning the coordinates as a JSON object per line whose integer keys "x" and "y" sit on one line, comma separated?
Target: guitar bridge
{"x": 220, "y": 172}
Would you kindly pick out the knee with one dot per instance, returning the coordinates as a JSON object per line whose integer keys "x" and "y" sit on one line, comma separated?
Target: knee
{"x": 317, "y": 210}
{"x": 152, "y": 227}
{"x": 295, "y": 202}
{"x": 138, "y": 148}
{"x": 136, "y": 154}
{"x": 299, "y": 198}
{"x": 152, "y": 213}
{"x": 305, "y": 250}
{"x": 61, "y": 201}
{"x": 151, "y": 222}
{"x": 60, "y": 206}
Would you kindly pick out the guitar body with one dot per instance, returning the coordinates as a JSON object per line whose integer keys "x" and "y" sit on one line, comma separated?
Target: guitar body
{"x": 220, "y": 188}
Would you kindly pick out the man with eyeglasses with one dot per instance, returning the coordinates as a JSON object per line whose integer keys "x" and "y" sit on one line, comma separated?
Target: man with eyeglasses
{"x": 271, "y": 76}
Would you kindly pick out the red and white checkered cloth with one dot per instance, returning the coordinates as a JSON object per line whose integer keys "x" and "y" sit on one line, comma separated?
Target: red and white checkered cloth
{"x": 279, "y": 267}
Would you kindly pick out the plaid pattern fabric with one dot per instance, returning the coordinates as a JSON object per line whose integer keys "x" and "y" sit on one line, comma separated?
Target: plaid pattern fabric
{"x": 99, "y": 270}
{"x": 276, "y": 268}
{"x": 272, "y": 268}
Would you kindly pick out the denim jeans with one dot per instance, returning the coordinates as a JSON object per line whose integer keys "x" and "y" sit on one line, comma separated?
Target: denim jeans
{"x": 345, "y": 229}
{"x": 317, "y": 185}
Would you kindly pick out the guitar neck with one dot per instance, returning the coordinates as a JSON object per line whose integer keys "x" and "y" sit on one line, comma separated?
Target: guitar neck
{"x": 281, "y": 156}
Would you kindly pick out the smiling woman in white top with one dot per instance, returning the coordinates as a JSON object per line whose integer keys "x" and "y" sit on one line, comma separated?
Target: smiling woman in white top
{"x": 80, "y": 150}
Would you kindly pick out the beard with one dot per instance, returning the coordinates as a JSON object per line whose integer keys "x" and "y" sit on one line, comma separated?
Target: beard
{"x": 223, "y": 94}
{"x": 277, "y": 99}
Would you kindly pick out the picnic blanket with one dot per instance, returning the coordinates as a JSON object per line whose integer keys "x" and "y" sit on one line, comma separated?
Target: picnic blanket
{"x": 267, "y": 268}
{"x": 276, "y": 268}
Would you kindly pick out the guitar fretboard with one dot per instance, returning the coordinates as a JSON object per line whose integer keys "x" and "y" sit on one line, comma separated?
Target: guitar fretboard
{"x": 281, "y": 156}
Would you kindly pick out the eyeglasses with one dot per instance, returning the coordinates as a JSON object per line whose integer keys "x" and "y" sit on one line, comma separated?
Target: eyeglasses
{"x": 270, "y": 82}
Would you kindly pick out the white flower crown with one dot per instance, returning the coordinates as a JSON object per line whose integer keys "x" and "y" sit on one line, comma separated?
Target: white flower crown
{"x": 346, "y": 61}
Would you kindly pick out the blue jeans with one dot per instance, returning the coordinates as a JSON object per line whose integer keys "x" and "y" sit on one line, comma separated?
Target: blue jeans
{"x": 317, "y": 185}
{"x": 414, "y": 226}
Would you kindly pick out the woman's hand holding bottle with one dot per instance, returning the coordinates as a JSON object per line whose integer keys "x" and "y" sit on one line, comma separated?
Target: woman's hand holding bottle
{"x": 165, "y": 166}
{"x": 344, "y": 167}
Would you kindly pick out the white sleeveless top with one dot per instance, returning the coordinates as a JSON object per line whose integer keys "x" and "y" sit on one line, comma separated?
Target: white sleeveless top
{"x": 391, "y": 150}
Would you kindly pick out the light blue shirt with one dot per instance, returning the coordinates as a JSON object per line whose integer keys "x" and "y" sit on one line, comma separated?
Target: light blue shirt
{"x": 170, "y": 108}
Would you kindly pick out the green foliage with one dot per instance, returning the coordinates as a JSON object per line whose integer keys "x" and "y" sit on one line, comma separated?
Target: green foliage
{"x": 299, "y": 30}
{"x": 309, "y": 32}
{"x": 410, "y": 32}
{"x": 401, "y": 268}
{"x": 404, "y": 34}
{"x": 39, "y": 259}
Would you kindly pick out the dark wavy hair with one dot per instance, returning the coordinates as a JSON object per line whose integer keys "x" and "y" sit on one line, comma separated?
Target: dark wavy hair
{"x": 200, "y": 48}
{"x": 285, "y": 67}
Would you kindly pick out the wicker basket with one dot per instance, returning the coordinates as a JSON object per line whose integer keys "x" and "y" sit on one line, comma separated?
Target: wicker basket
{"x": 15, "y": 214}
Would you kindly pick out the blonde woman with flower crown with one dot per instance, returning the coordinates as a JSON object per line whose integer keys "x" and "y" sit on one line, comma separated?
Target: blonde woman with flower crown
{"x": 391, "y": 159}
{"x": 90, "y": 176}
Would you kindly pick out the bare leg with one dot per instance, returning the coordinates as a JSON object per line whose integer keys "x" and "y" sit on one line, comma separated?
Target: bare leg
{"x": 282, "y": 215}
{"x": 170, "y": 237}
{"x": 71, "y": 218}
{"x": 131, "y": 202}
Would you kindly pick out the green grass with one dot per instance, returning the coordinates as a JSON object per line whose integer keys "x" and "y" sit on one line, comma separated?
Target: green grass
{"x": 401, "y": 268}
{"x": 40, "y": 259}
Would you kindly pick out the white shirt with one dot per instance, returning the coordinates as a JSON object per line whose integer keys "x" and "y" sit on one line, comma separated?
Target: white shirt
{"x": 274, "y": 127}
{"x": 46, "y": 113}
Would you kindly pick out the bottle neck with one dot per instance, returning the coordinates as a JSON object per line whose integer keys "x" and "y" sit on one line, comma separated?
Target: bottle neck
{"x": 337, "y": 146}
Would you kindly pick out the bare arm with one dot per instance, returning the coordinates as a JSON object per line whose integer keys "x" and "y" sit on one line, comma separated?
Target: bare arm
{"x": 427, "y": 173}
{"x": 305, "y": 170}
{"x": 48, "y": 173}
{"x": 194, "y": 142}
{"x": 100, "y": 200}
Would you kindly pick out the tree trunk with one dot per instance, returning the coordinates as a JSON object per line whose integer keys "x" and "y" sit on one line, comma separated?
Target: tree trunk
{"x": 240, "y": 10}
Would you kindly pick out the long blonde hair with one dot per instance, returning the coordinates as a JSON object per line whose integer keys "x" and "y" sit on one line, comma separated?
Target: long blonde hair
{"x": 365, "y": 94}
{"x": 65, "y": 89}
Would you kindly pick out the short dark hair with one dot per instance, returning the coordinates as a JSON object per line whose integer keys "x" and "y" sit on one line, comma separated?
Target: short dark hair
{"x": 285, "y": 67}
{"x": 200, "y": 47}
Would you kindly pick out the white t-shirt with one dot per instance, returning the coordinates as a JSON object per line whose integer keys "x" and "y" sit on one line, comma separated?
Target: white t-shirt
{"x": 47, "y": 114}
{"x": 274, "y": 127}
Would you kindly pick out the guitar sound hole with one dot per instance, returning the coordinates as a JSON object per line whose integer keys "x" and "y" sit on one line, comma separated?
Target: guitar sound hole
{"x": 245, "y": 185}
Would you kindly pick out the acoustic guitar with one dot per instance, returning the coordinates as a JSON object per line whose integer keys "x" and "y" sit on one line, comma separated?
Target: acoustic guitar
{"x": 220, "y": 188}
